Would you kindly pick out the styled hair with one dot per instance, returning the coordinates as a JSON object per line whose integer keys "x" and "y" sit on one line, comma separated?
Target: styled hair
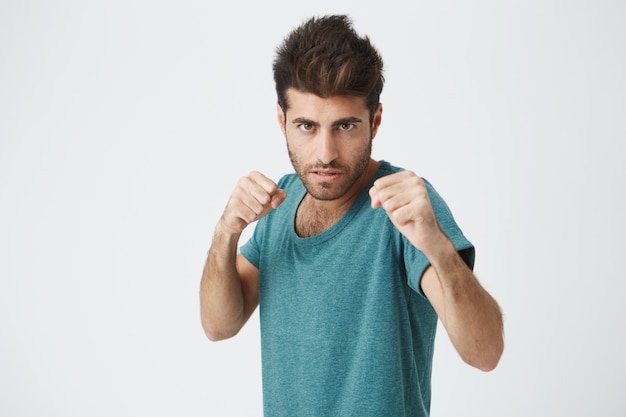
{"x": 326, "y": 57}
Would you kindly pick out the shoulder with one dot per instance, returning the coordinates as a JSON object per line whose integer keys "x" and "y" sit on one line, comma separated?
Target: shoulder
{"x": 385, "y": 168}
{"x": 289, "y": 181}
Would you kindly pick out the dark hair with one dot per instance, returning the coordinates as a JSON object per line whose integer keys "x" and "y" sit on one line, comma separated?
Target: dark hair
{"x": 326, "y": 57}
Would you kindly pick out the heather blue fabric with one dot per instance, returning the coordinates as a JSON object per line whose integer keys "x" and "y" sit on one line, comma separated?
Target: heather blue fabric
{"x": 345, "y": 327}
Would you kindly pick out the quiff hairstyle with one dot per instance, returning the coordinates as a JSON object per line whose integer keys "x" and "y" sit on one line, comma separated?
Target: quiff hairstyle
{"x": 326, "y": 57}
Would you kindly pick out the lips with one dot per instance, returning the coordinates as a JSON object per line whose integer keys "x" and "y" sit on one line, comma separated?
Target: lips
{"x": 326, "y": 175}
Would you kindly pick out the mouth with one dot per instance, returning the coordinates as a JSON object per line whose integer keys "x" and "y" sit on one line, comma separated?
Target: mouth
{"x": 325, "y": 175}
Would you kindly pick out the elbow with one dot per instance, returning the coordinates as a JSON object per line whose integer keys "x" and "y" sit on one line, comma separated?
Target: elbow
{"x": 217, "y": 337}
{"x": 216, "y": 332}
{"x": 487, "y": 364}
{"x": 487, "y": 359}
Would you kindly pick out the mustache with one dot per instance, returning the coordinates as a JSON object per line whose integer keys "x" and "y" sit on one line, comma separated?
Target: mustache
{"x": 321, "y": 165}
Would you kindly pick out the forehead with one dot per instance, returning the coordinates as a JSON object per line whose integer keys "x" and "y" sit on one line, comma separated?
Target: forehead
{"x": 304, "y": 104}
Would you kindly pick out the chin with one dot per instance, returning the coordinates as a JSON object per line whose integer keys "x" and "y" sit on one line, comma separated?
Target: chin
{"x": 325, "y": 192}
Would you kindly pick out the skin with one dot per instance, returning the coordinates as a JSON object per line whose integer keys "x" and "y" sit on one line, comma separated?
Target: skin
{"x": 329, "y": 142}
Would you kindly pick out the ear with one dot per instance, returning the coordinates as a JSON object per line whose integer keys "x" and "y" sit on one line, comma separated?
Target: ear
{"x": 377, "y": 119}
{"x": 280, "y": 114}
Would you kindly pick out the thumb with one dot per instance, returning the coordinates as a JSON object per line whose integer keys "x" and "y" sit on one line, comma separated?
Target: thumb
{"x": 278, "y": 198}
{"x": 374, "y": 197}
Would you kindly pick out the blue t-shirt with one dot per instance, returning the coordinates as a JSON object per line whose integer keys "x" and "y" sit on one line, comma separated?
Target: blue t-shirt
{"x": 345, "y": 327}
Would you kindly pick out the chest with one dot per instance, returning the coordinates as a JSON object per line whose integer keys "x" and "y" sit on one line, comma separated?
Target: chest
{"x": 311, "y": 221}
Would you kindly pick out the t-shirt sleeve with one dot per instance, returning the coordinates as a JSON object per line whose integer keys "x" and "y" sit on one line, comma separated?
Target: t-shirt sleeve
{"x": 251, "y": 250}
{"x": 415, "y": 260}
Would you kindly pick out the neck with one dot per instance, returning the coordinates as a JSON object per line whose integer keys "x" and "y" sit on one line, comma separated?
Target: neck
{"x": 315, "y": 216}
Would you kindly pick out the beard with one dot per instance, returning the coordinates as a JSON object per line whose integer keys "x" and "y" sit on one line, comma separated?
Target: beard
{"x": 350, "y": 174}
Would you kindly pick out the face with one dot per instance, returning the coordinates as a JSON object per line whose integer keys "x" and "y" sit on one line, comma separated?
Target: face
{"x": 329, "y": 141}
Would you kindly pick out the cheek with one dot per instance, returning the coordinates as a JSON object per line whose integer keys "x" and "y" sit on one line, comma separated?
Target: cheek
{"x": 298, "y": 145}
{"x": 295, "y": 152}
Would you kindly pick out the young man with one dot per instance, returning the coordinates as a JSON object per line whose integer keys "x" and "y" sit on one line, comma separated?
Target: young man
{"x": 353, "y": 260}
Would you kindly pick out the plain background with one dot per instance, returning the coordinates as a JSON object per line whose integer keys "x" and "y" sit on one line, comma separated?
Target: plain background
{"x": 124, "y": 125}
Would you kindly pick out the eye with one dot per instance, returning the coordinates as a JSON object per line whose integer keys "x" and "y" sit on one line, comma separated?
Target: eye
{"x": 306, "y": 127}
{"x": 345, "y": 127}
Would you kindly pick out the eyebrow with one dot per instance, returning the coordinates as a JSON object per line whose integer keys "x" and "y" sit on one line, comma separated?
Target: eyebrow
{"x": 304, "y": 120}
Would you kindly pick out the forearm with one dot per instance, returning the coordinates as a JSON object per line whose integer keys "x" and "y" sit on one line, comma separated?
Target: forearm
{"x": 471, "y": 316}
{"x": 221, "y": 294}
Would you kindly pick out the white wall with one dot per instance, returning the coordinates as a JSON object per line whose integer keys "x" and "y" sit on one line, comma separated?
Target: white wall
{"x": 125, "y": 124}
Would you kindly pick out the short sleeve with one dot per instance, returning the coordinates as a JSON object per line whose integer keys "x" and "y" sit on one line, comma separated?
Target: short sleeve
{"x": 415, "y": 260}
{"x": 251, "y": 250}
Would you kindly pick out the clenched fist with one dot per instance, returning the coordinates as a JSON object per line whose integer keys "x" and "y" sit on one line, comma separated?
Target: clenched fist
{"x": 404, "y": 197}
{"x": 254, "y": 197}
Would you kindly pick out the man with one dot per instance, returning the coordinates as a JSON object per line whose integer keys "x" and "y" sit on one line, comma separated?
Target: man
{"x": 353, "y": 260}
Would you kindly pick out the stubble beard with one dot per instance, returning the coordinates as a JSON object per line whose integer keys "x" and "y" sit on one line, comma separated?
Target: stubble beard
{"x": 327, "y": 191}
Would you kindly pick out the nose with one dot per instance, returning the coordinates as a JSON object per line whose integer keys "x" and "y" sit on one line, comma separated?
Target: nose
{"x": 327, "y": 147}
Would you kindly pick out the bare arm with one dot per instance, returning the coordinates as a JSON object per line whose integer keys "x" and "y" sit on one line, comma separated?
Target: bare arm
{"x": 229, "y": 291}
{"x": 470, "y": 315}
{"x": 228, "y": 297}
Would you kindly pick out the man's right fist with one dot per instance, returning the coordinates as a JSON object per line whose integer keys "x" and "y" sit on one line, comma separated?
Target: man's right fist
{"x": 254, "y": 196}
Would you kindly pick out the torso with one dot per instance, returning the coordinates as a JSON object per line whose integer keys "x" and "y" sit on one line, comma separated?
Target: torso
{"x": 331, "y": 303}
{"x": 311, "y": 220}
